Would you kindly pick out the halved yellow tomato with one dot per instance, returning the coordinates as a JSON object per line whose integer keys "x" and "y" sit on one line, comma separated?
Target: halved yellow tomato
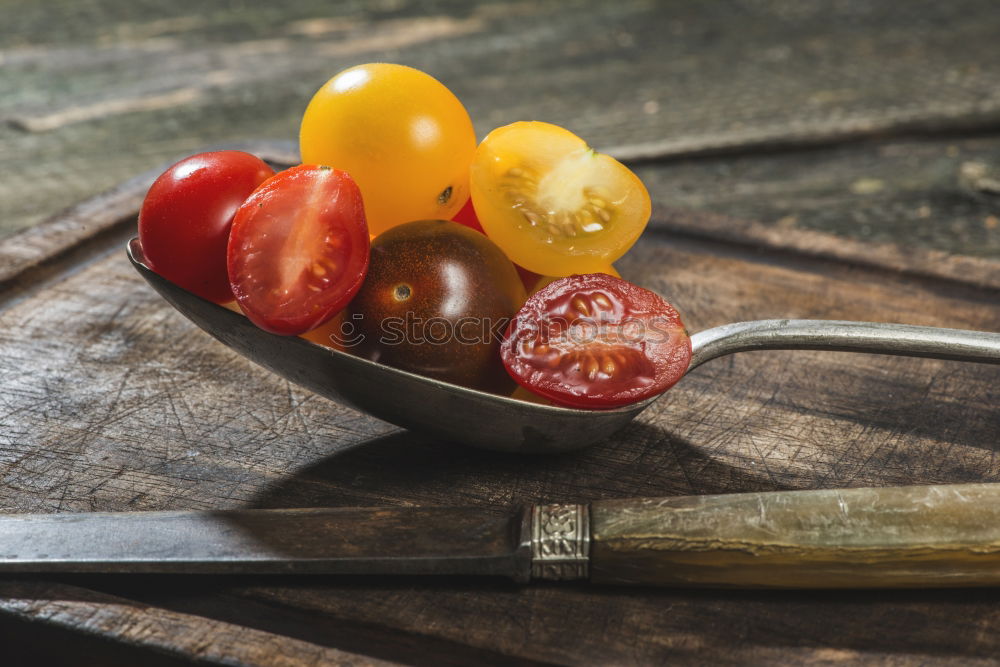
{"x": 553, "y": 204}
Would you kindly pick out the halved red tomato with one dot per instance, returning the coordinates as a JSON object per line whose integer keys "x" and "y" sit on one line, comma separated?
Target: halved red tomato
{"x": 595, "y": 341}
{"x": 298, "y": 250}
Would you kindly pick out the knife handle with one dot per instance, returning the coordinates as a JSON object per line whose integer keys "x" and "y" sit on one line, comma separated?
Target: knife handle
{"x": 917, "y": 536}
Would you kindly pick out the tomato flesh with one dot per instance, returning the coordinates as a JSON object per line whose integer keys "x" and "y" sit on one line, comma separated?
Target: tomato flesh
{"x": 185, "y": 218}
{"x": 596, "y": 341}
{"x": 553, "y": 204}
{"x": 298, "y": 250}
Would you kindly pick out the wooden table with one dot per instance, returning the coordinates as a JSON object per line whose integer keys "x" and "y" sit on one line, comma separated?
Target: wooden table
{"x": 805, "y": 160}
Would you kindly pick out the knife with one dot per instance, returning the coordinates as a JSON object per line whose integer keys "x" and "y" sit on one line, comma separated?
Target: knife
{"x": 916, "y": 536}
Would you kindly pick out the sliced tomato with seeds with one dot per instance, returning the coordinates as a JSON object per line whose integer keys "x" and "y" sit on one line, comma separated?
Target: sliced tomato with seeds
{"x": 298, "y": 250}
{"x": 596, "y": 341}
{"x": 553, "y": 204}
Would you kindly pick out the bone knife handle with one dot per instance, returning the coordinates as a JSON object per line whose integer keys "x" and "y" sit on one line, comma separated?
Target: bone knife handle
{"x": 916, "y": 536}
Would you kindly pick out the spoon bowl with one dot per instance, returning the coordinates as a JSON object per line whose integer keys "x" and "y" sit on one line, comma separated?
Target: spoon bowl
{"x": 405, "y": 399}
{"x": 501, "y": 423}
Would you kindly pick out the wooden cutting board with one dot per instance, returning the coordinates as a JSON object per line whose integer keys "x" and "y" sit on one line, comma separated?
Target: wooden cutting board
{"x": 112, "y": 401}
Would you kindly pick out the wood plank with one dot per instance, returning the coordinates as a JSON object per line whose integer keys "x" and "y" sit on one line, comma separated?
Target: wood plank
{"x": 115, "y": 208}
{"x": 644, "y": 79}
{"x": 789, "y": 222}
{"x": 216, "y": 600}
{"x": 930, "y": 198}
{"x": 112, "y": 401}
{"x": 153, "y": 635}
{"x": 788, "y": 235}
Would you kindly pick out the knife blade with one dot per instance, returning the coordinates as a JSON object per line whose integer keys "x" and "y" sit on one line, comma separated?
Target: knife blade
{"x": 918, "y": 536}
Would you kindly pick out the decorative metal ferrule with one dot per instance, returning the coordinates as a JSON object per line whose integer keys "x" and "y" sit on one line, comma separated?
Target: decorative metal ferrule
{"x": 560, "y": 541}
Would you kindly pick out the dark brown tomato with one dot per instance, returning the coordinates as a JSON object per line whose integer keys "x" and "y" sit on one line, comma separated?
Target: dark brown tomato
{"x": 436, "y": 301}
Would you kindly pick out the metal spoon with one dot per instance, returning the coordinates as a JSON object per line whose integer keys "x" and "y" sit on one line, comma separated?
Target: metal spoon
{"x": 506, "y": 424}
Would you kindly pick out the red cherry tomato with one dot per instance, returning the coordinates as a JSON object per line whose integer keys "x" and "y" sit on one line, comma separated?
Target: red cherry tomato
{"x": 185, "y": 219}
{"x": 467, "y": 216}
{"x": 595, "y": 341}
{"x": 298, "y": 250}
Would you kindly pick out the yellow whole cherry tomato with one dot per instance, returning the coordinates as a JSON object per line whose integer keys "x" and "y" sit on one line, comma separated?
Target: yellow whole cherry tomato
{"x": 400, "y": 133}
{"x": 333, "y": 333}
{"x": 553, "y": 204}
{"x": 523, "y": 394}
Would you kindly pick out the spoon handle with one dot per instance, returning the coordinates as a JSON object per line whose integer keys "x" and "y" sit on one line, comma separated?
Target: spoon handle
{"x": 875, "y": 337}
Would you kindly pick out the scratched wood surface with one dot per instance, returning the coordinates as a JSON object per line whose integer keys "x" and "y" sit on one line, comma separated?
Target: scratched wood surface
{"x": 140, "y": 637}
{"x": 93, "y": 94}
{"x": 789, "y": 182}
{"x": 114, "y": 402}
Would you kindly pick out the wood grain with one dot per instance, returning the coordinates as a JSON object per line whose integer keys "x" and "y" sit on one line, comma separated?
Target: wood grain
{"x": 909, "y": 260}
{"x": 78, "y": 611}
{"x": 93, "y": 97}
{"x": 111, "y": 210}
{"x": 930, "y": 198}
